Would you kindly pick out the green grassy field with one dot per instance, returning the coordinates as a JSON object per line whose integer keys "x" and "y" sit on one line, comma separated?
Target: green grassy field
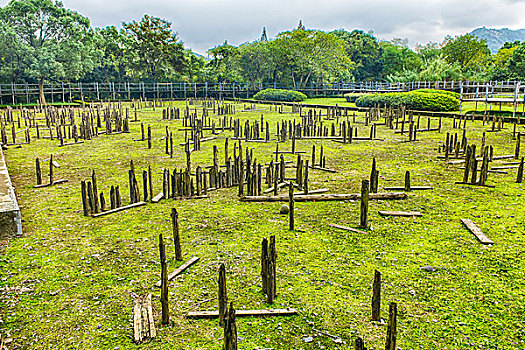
{"x": 67, "y": 283}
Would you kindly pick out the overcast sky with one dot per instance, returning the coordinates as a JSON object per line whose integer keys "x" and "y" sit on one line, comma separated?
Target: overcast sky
{"x": 202, "y": 24}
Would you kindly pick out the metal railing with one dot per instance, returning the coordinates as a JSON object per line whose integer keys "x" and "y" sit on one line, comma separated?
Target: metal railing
{"x": 15, "y": 93}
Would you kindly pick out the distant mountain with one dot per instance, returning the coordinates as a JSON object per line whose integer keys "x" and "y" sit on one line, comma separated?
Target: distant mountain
{"x": 497, "y": 37}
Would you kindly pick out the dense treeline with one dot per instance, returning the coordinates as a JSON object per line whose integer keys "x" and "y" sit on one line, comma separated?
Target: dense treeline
{"x": 40, "y": 41}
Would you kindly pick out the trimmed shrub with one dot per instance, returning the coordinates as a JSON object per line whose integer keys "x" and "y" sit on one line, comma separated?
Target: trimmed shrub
{"x": 352, "y": 97}
{"x": 280, "y": 95}
{"x": 445, "y": 92}
{"x": 414, "y": 100}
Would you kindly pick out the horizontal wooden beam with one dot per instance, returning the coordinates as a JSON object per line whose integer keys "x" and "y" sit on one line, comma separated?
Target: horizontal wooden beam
{"x": 56, "y": 182}
{"x": 412, "y": 188}
{"x": 244, "y": 313}
{"x": 400, "y": 213}
{"x": 324, "y": 197}
{"x": 347, "y": 228}
{"x": 476, "y": 231}
{"x": 126, "y": 207}
{"x": 179, "y": 270}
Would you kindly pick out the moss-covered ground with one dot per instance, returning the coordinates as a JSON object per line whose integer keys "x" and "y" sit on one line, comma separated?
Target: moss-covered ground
{"x": 67, "y": 282}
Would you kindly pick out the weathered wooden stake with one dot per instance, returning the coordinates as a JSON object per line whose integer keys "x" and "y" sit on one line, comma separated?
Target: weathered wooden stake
{"x": 176, "y": 236}
{"x": 364, "y": 203}
{"x": 291, "y": 203}
{"x": 51, "y": 181}
{"x": 359, "y": 344}
{"x": 391, "y": 334}
{"x": 407, "y": 180}
{"x": 376, "y": 297}
{"x": 230, "y": 330}
{"x": 150, "y": 183}
{"x": 85, "y": 204}
{"x": 519, "y": 178}
{"x": 517, "y": 150}
{"x": 95, "y": 192}
{"x": 164, "y": 282}
{"x": 38, "y": 172}
{"x": 149, "y": 136}
{"x": 223, "y": 297}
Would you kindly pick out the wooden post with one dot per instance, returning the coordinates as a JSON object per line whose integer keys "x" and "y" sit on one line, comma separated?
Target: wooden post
{"x": 85, "y": 204}
{"x": 407, "y": 180}
{"x": 359, "y": 344}
{"x": 364, "y": 203}
{"x": 305, "y": 182}
{"x": 112, "y": 198}
{"x": 117, "y": 196}
{"x": 223, "y": 297}
{"x": 38, "y": 172}
{"x": 264, "y": 265}
{"x": 519, "y": 178}
{"x": 230, "y": 330}
{"x": 391, "y": 334}
{"x": 374, "y": 177}
{"x": 150, "y": 183}
{"x": 176, "y": 236}
{"x": 102, "y": 202}
{"x": 376, "y": 297}
{"x": 164, "y": 282}
{"x": 517, "y": 150}
{"x": 268, "y": 269}
{"x": 241, "y": 178}
{"x": 95, "y": 192}
{"x": 291, "y": 206}
{"x": 51, "y": 170}
{"x": 149, "y": 136}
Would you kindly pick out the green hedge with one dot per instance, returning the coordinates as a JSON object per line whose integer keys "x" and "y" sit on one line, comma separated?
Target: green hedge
{"x": 280, "y": 95}
{"x": 352, "y": 97}
{"x": 433, "y": 100}
{"x": 444, "y": 92}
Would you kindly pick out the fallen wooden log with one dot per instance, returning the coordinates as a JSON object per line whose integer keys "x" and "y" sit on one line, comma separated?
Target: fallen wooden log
{"x": 244, "y": 313}
{"x": 190, "y": 197}
{"x": 347, "y": 228}
{"x": 143, "y": 322}
{"x": 71, "y": 143}
{"x": 412, "y": 188}
{"x": 323, "y": 169}
{"x": 157, "y": 198}
{"x": 323, "y": 197}
{"x": 474, "y": 184}
{"x": 320, "y": 190}
{"x": 400, "y": 213}
{"x": 126, "y": 207}
{"x": 179, "y": 270}
{"x": 202, "y": 140}
{"x": 56, "y": 182}
{"x": 504, "y": 167}
{"x": 476, "y": 231}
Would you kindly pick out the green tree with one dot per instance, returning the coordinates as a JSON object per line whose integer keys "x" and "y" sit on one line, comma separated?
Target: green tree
{"x": 254, "y": 61}
{"x": 223, "y": 62}
{"x": 467, "y": 50}
{"x": 153, "y": 49}
{"x": 54, "y": 42}
{"x": 399, "y": 59}
{"x": 516, "y": 64}
{"x": 314, "y": 54}
{"x": 499, "y": 70}
{"x": 363, "y": 49}
{"x": 112, "y": 42}
{"x": 429, "y": 52}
